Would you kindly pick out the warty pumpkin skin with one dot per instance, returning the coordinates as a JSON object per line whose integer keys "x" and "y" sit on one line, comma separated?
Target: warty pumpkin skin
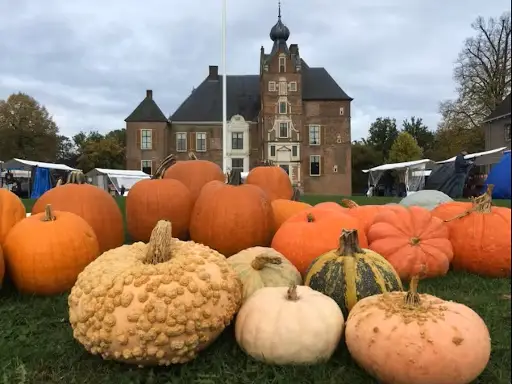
{"x": 348, "y": 274}
{"x": 273, "y": 180}
{"x": 260, "y": 267}
{"x": 411, "y": 338}
{"x": 45, "y": 252}
{"x": 159, "y": 303}
{"x": 289, "y": 326}
{"x": 12, "y": 211}
{"x": 93, "y": 204}
{"x": 284, "y": 209}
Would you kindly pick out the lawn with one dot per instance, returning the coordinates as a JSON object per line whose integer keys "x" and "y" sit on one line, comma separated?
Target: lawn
{"x": 37, "y": 346}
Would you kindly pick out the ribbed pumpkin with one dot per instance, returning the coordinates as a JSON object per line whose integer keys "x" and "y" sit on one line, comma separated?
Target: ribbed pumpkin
{"x": 284, "y": 209}
{"x": 349, "y": 273}
{"x": 2, "y": 267}
{"x": 331, "y": 206}
{"x": 364, "y": 213}
{"x": 272, "y": 179}
{"x": 12, "y": 210}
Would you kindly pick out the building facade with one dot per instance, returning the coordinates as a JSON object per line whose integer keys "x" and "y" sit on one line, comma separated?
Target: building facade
{"x": 497, "y": 128}
{"x": 290, "y": 113}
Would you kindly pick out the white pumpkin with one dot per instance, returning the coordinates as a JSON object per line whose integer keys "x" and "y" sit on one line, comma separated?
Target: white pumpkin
{"x": 289, "y": 326}
{"x": 428, "y": 199}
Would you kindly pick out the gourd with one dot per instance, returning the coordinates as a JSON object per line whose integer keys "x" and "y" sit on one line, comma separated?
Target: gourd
{"x": 272, "y": 179}
{"x": 411, "y": 338}
{"x": 311, "y": 233}
{"x": 349, "y": 273}
{"x": 260, "y": 267}
{"x": 91, "y": 203}
{"x": 480, "y": 235}
{"x": 289, "y": 326}
{"x": 410, "y": 238}
{"x": 159, "y": 303}
{"x": 284, "y": 209}
{"x": 155, "y": 199}
{"x": 364, "y": 213}
{"x": 428, "y": 199}
{"x": 2, "y": 267}
{"x": 331, "y": 206}
{"x": 45, "y": 252}
{"x": 12, "y": 211}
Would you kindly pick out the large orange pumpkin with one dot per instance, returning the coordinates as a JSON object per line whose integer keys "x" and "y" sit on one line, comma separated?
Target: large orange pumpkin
{"x": 273, "y": 180}
{"x": 194, "y": 174}
{"x": 284, "y": 209}
{"x": 157, "y": 199}
{"x": 45, "y": 252}
{"x": 331, "y": 206}
{"x": 230, "y": 218}
{"x": 411, "y": 239}
{"x": 2, "y": 267}
{"x": 480, "y": 235}
{"x": 91, "y": 203}
{"x": 364, "y": 213}
{"x": 12, "y": 210}
{"x": 311, "y": 233}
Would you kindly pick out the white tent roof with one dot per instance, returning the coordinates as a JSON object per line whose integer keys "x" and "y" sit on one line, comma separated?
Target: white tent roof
{"x": 474, "y": 155}
{"x": 20, "y": 163}
{"x": 119, "y": 173}
{"x": 403, "y": 165}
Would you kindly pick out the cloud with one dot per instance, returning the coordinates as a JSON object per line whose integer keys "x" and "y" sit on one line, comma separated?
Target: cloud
{"x": 90, "y": 62}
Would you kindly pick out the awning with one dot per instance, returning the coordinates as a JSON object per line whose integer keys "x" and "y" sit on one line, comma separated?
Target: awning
{"x": 474, "y": 155}
{"x": 406, "y": 164}
{"x": 28, "y": 164}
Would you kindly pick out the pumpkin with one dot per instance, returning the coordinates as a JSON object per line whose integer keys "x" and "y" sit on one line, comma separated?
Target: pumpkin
{"x": 12, "y": 211}
{"x": 260, "y": 267}
{"x": 480, "y": 235}
{"x": 284, "y": 209}
{"x": 272, "y": 179}
{"x": 296, "y": 325}
{"x": 331, "y": 206}
{"x": 2, "y": 267}
{"x": 311, "y": 233}
{"x": 45, "y": 252}
{"x": 348, "y": 274}
{"x": 93, "y": 204}
{"x": 155, "y": 199}
{"x": 159, "y": 303}
{"x": 426, "y": 198}
{"x": 194, "y": 174}
{"x": 231, "y": 218}
{"x": 411, "y": 338}
{"x": 364, "y": 213}
{"x": 410, "y": 238}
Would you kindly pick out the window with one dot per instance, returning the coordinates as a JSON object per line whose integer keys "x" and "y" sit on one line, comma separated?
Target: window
{"x": 271, "y": 86}
{"x": 237, "y": 140}
{"x": 293, "y": 86}
{"x": 314, "y": 165}
{"x": 146, "y": 139}
{"x": 181, "y": 142}
{"x": 282, "y": 64}
{"x": 201, "y": 142}
{"x": 273, "y": 150}
{"x": 283, "y": 107}
{"x": 146, "y": 166}
{"x": 295, "y": 151}
{"x": 283, "y": 130}
{"x": 342, "y": 111}
{"x": 237, "y": 164}
{"x": 314, "y": 135}
{"x": 507, "y": 132}
{"x": 283, "y": 88}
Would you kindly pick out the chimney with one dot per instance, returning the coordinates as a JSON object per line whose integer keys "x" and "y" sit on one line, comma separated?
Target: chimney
{"x": 214, "y": 73}
{"x": 149, "y": 94}
{"x": 294, "y": 49}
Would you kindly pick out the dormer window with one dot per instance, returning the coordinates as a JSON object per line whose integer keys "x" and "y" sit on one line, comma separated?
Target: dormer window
{"x": 282, "y": 64}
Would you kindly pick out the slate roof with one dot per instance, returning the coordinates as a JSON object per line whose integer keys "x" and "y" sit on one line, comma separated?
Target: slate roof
{"x": 147, "y": 111}
{"x": 502, "y": 110}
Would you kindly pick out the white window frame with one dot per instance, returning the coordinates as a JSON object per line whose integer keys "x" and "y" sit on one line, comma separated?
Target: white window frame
{"x": 287, "y": 130}
{"x": 237, "y": 138}
{"x": 342, "y": 111}
{"x": 237, "y": 158}
{"x": 143, "y": 162}
{"x": 283, "y": 88}
{"x": 285, "y": 103}
{"x": 271, "y": 86}
{"x": 272, "y": 147}
{"x": 296, "y": 147}
{"x": 311, "y": 157}
{"x": 293, "y": 86}
{"x": 282, "y": 63}
{"x": 198, "y": 137}
{"x": 178, "y": 134}
{"x": 313, "y": 127}
{"x": 149, "y": 146}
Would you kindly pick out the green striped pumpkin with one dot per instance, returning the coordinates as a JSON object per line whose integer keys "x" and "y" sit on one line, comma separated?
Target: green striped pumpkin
{"x": 349, "y": 273}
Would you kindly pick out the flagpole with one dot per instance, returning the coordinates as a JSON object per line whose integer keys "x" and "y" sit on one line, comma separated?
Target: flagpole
{"x": 224, "y": 98}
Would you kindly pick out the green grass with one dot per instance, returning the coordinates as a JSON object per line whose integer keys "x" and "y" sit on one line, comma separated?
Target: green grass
{"x": 37, "y": 346}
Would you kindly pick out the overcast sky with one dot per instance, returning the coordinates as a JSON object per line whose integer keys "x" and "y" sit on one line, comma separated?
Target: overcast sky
{"x": 90, "y": 62}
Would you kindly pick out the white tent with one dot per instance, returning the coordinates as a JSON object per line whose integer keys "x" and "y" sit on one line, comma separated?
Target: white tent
{"x": 117, "y": 177}
{"x": 480, "y": 157}
{"x": 27, "y": 165}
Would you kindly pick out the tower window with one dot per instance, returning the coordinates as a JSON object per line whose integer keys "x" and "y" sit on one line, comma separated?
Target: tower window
{"x": 293, "y": 86}
{"x": 282, "y": 64}
{"x": 283, "y": 107}
{"x": 314, "y": 165}
{"x": 271, "y": 86}
{"x": 146, "y": 139}
{"x": 283, "y": 130}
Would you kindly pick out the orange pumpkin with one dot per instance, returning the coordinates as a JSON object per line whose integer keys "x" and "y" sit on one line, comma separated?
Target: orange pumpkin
{"x": 411, "y": 239}
{"x": 157, "y": 199}
{"x": 91, "y": 203}
{"x": 364, "y": 213}
{"x": 2, "y": 267}
{"x": 12, "y": 210}
{"x": 273, "y": 180}
{"x": 311, "y": 233}
{"x": 45, "y": 252}
{"x": 480, "y": 235}
{"x": 331, "y": 206}
{"x": 284, "y": 209}
{"x": 194, "y": 174}
{"x": 231, "y": 218}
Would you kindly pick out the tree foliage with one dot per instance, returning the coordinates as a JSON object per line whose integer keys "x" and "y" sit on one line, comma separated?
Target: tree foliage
{"x": 382, "y": 134}
{"x": 415, "y": 127}
{"x": 100, "y": 151}
{"x": 405, "y": 148}
{"x": 364, "y": 156}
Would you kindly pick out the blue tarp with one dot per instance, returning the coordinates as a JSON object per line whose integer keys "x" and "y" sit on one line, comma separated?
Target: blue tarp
{"x": 499, "y": 176}
{"x": 42, "y": 182}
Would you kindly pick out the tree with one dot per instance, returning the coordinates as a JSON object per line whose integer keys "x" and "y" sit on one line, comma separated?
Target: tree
{"x": 364, "y": 156}
{"x": 405, "y": 148}
{"x": 382, "y": 134}
{"x": 66, "y": 151}
{"x": 415, "y": 127}
{"x": 98, "y": 151}
{"x": 27, "y": 130}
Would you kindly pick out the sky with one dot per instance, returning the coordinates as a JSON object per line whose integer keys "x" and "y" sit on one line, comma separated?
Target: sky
{"x": 90, "y": 61}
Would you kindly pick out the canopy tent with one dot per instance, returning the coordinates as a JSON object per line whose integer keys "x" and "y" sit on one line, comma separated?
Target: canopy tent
{"x": 27, "y": 165}
{"x": 500, "y": 177}
{"x": 117, "y": 177}
{"x": 481, "y": 158}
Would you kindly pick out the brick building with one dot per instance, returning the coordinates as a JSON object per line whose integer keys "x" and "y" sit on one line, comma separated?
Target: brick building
{"x": 293, "y": 114}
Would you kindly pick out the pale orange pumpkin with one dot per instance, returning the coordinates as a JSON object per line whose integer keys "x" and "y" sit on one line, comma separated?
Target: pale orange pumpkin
{"x": 364, "y": 213}
{"x": 284, "y": 209}
{"x": 12, "y": 211}
{"x": 273, "y": 180}
{"x": 331, "y": 206}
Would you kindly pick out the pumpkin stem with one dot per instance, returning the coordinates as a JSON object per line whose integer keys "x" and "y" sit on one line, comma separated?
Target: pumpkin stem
{"x": 164, "y": 165}
{"x": 414, "y": 241}
{"x": 48, "y": 214}
{"x": 76, "y": 177}
{"x": 192, "y": 156}
{"x": 235, "y": 177}
{"x": 266, "y": 163}
{"x": 349, "y": 203}
{"x": 292, "y": 293}
{"x": 310, "y": 218}
{"x": 480, "y": 204}
{"x": 349, "y": 243}
{"x": 412, "y": 298}
{"x": 159, "y": 246}
{"x": 261, "y": 261}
